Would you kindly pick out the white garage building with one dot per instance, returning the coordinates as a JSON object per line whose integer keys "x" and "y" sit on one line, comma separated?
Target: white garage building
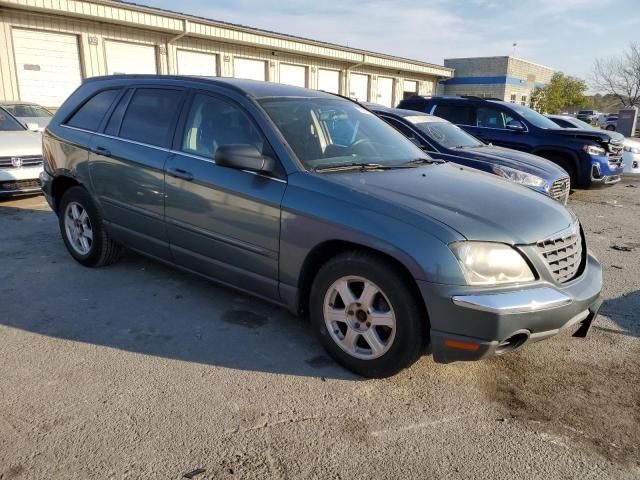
{"x": 48, "y": 46}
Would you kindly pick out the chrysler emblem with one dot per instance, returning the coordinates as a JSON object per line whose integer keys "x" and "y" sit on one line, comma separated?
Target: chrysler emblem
{"x": 16, "y": 161}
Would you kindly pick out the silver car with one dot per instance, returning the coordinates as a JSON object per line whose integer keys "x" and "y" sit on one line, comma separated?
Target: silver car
{"x": 20, "y": 157}
{"x": 32, "y": 115}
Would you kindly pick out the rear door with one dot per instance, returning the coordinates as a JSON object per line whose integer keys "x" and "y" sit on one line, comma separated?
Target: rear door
{"x": 222, "y": 222}
{"x": 127, "y": 165}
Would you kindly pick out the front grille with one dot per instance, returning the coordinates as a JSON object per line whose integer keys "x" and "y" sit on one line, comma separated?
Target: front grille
{"x": 563, "y": 254}
{"x": 16, "y": 185}
{"x": 560, "y": 190}
{"x": 615, "y": 150}
{"x": 25, "y": 161}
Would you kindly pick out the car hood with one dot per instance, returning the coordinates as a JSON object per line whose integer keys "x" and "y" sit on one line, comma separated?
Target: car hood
{"x": 602, "y": 136}
{"x": 20, "y": 143}
{"x": 478, "y": 206}
{"x": 522, "y": 161}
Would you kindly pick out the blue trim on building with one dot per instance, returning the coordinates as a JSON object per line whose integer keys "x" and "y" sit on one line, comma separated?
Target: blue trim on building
{"x": 498, "y": 80}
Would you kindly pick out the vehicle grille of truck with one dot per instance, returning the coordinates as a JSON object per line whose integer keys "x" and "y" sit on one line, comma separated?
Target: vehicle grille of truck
{"x": 21, "y": 161}
{"x": 563, "y": 255}
{"x": 560, "y": 190}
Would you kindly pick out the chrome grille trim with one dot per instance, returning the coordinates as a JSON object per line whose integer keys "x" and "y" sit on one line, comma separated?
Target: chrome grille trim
{"x": 563, "y": 254}
{"x": 27, "y": 161}
{"x": 560, "y": 190}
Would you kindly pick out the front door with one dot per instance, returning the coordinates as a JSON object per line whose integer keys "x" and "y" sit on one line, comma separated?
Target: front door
{"x": 222, "y": 222}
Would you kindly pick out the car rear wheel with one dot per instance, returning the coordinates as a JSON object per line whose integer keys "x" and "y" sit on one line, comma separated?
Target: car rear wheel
{"x": 610, "y": 128}
{"x": 366, "y": 315}
{"x": 83, "y": 232}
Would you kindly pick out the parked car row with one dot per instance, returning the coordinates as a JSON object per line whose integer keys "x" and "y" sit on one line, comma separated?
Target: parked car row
{"x": 313, "y": 202}
{"x": 589, "y": 156}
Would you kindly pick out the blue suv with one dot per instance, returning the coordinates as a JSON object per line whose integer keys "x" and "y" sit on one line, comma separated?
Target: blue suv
{"x": 590, "y": 157}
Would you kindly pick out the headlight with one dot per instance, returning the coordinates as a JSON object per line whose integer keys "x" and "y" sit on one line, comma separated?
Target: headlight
{"x": 485, "y": 263}
{"x": 593, "y": 150}
{"x": 631, "y": 149}
{"x": 517, "y": 176}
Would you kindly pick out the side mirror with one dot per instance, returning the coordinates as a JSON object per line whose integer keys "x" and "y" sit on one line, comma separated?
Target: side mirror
{"x": 33, "y": 127}
{"x": 243, "y": 157}
{"x": 516, "y": 126}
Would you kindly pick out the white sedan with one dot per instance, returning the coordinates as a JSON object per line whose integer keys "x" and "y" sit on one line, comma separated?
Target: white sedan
{"x": 631, "y": 156}
{"x": 20, "y": 157}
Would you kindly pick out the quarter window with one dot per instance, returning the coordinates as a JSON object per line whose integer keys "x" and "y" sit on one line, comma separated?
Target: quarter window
{"x": 89, "y": 115}
{"x": 213, "y": 122}
{"x": 150, "y": 116}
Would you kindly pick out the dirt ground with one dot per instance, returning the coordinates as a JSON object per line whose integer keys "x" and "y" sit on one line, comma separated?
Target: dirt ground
{"x": 141, "y": 371}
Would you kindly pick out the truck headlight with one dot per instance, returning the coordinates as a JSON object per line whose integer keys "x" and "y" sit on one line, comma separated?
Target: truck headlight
{"x": 594, "y": 150}
{"x": 518, "y": 176}
{"x": 487, "y": 263}
{"x": 631, "y": 149}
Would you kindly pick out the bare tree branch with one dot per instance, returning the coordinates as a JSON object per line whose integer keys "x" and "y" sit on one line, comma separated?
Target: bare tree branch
{"x": 619, "y": 76}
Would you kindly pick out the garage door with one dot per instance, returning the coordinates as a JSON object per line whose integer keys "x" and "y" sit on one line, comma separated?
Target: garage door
{"x": 293, "y": 75}
{"x": 48, "y": 66}
{"x": 359, "y": 87}
{"x": 410, "y": 88}
{"x": 197, "y": 63}
{"x": 251, "y": 69}
{"x": 124, "y": 57}
{"x": 385, "y": 91}
{"x": 329, "y": 80}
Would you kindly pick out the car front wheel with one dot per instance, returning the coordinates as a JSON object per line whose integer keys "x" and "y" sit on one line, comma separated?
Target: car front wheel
{"x": 367, "y": 316}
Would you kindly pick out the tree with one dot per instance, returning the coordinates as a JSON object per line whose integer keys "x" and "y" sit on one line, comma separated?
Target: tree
{"x": 619, "y": 76}
{"x": 561, "y": 93}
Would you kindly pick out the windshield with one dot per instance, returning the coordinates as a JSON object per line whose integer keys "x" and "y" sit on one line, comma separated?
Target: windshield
{"x": 8, "y": 123}
{"x": 534, "y": 118}
{"x": 326, "y": 132}
{"x": 446, "y": 134}
{"x": 30, "y": 111}
{"x": 580, "y": 124}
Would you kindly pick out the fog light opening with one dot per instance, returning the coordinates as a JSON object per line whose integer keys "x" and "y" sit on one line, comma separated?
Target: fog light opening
{"x": 514, "y": 341}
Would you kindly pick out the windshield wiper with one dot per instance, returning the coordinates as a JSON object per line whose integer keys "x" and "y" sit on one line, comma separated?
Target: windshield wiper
{"x": 423, "y": 161}
{"x": 362, "y": 167}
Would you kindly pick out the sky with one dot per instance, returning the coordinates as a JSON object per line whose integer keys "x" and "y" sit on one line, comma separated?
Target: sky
{"x": 567, "y": 35}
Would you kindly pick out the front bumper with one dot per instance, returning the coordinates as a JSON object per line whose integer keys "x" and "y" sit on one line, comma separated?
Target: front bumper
{"x": 19, "y": 181}
{"x": 603, "y": 172}
{"x": 469, "y": 323}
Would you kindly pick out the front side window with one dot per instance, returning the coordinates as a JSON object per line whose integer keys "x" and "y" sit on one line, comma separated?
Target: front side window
{"x": 8, "y": 123}
{"x": 488, "y": 117}
{"x": 213, "y": 122}
{"x": 89, "y": 115}
{"x": 326, "y": 132}
{"x": 150, "y": 116}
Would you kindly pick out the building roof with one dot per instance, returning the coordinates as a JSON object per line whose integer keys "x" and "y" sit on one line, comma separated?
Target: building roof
{"x": 179, "y": 24}
{"x": 498, "y": 56}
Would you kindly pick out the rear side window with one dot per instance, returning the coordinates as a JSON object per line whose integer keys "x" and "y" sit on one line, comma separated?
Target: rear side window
{"x": 89, "y": 115}
{"x": 460, "y": 114}
{"x": 150, "y": 116}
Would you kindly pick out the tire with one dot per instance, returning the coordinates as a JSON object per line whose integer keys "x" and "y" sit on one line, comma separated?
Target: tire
{"x": 79, "y": 218}
{"x": 365, "y": 321}
{"x": 568, "y": 167}
{"x": 611, "y": 128}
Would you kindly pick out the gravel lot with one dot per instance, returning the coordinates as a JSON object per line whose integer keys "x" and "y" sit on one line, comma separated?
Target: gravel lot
{"x": 141, "y": 371}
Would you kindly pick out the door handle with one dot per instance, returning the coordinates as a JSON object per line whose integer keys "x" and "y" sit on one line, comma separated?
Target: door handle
{"x": 102, "y": 151}
{"x": 180, "y": 173}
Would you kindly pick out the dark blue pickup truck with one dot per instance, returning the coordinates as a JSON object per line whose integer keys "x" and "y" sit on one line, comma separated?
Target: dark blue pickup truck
{"x": 589, "y": 156}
